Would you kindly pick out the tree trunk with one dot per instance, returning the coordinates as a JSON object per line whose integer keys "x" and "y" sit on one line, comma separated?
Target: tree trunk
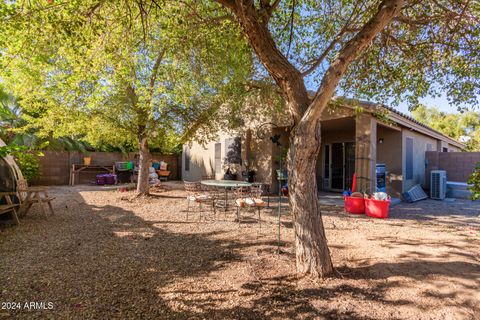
{"x": 311, "y": 248}
{"x": 144, "y": 164}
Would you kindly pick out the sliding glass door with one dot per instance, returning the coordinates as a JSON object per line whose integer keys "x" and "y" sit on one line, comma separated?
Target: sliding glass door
{"x": 339, "y": 165}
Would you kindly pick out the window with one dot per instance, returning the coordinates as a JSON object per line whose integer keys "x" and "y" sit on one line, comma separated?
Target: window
{"x": 186, "y": 154}
{"x": 233, "y": 150}
{"x": 444, "y": 149}
{"x": 409, "y": 159}
{"x": 218, "y": 158}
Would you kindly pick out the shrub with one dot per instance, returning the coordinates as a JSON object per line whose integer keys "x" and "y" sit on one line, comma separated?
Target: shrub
{"x": 474, "y": 181}
{"x": 28, "y": 164}
{"x": 26, "y": 161}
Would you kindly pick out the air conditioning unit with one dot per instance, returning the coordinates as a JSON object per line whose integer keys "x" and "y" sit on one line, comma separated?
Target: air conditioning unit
{"x": 438, "y": 184}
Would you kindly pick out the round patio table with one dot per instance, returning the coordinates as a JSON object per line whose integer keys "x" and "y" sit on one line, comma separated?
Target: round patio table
{"x": 225, "y": 184}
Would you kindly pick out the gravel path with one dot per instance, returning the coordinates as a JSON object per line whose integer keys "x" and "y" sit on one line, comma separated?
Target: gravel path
{"x": 106, "y": 256}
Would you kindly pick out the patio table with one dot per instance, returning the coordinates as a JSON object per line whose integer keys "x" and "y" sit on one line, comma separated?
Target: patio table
{"x": 225, "y": 184}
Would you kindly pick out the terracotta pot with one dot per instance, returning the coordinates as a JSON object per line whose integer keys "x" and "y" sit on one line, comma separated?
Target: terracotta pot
{"x": 87, "y": 160}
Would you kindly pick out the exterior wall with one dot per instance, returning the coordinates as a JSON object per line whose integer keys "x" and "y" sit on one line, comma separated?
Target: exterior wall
{"x": 202, "y": 160}
{"x": 55, "y": 165}
{"x": 420, "y": 142}
{"x": 441, "y": 145}
{"x": 452, "y": 148}
{"x": 390, "y": 153}
{"x": 459, "y": 165}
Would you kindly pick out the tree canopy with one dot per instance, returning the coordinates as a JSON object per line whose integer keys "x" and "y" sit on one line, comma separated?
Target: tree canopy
{"x": 464, "y": 127}
{"x": 99, "y": 71}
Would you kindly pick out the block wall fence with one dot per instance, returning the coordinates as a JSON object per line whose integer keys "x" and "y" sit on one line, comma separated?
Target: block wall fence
{"x": 55, "y": 165}
{"x": 459, "y": 165}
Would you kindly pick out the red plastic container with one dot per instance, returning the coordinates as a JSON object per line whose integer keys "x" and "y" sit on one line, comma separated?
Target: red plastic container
{"x": 377, "y": 208}
{"x": 354, "y": 205}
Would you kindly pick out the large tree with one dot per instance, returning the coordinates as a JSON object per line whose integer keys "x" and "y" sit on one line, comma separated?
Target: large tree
{"x": 113, "y": 69}
{"x": 391, "y": 49}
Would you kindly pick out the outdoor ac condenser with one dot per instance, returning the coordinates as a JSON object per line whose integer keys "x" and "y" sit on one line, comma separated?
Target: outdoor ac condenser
{"x": 438, "y": 184}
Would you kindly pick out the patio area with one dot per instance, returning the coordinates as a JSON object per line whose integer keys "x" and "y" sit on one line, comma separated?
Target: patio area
{"x": 124, "y": 257}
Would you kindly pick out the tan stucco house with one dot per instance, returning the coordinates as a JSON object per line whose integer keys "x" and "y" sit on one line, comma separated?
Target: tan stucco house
{"x": 356, "y": 136}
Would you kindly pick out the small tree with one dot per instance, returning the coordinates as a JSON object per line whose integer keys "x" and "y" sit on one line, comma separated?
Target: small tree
{"x": 109, "y": 70}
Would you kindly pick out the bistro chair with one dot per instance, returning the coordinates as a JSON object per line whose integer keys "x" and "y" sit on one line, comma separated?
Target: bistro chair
{"x": 248, "y": 197}
{"x": 196, "y": 194}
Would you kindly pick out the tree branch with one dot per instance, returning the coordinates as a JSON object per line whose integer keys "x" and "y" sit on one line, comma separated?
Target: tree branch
{"x": 387, "y": 10}
{"x": 345, "y": 29}
{"x": 287, "y": 77}
{"x": 156, "y": 66}
{"x": 322, "y": 57}
{"x": 292, "y": 14}
{"x": 270, "y": 8}
{"x": 229, "y": 4}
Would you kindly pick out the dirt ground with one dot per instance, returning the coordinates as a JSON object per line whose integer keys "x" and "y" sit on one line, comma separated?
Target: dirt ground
{"x": 104, "y": 256}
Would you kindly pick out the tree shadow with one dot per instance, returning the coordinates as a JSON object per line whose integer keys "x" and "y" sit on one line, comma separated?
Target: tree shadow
{"x": 110, "y": 263}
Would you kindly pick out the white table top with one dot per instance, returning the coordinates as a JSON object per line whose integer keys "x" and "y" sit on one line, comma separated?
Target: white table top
{"x": 225, "y": 183}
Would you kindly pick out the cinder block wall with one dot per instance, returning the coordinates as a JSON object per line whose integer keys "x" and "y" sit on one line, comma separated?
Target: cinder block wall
{"x": 459, "y": 165}
{"x": 55, "y": 165}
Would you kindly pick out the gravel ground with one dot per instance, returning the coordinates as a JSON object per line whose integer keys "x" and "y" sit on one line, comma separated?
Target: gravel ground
{"x": 106, "y": 255}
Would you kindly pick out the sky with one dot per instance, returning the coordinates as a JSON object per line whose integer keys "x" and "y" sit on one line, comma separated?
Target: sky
{"x": 439, "y": 102}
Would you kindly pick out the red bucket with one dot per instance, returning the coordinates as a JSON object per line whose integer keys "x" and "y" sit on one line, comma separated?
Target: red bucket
{"x": 377, "y": 208}
{"x": 354, "y": 205}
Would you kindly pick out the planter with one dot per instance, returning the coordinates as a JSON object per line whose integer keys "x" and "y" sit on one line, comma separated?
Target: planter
{"x": 87, "y": 160}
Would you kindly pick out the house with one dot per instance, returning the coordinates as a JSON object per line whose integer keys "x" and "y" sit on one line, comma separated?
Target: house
{"x": 356, "y": 136}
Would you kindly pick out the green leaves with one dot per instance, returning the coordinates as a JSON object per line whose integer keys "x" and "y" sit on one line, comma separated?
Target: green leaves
{"x": 25, "y": 159}
{"x": 88, "y": 70}
{"x": 460, "y": 126}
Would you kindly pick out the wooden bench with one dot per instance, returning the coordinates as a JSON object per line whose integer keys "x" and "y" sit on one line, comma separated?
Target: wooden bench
{"x": 9, "y": 206}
